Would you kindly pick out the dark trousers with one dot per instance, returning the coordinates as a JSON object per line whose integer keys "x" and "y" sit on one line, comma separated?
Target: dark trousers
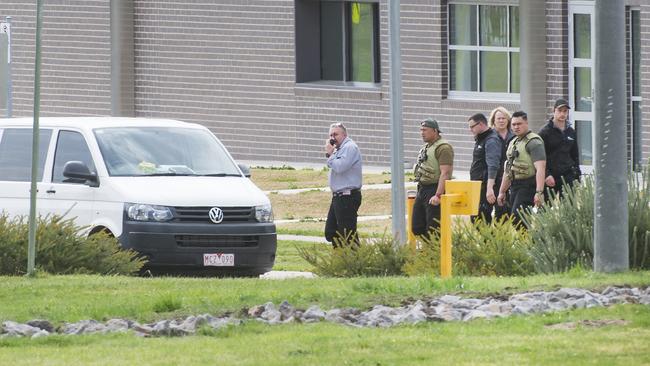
{"x": 485, "y": 208}
{"x": 522, "y": 196}
{"x": 568, "y": 178}
{"x": 425, "y": 216}
{"x": 341, "y": 221}
{"x": 501, "y": 211}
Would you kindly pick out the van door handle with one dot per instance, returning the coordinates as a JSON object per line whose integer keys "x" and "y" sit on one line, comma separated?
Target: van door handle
{"x": 50, "y": 191}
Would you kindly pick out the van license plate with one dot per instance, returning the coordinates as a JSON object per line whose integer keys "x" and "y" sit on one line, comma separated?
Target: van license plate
{"x": 219, "y": 260}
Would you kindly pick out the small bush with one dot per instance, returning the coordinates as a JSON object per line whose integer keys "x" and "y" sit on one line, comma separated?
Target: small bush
{"x": 61, "y": 250}
{"x": 561, "y": 231}
{"x": 371, "y": 257}
{"x": 478, "y": 249}
{"x": 639, "y": 216}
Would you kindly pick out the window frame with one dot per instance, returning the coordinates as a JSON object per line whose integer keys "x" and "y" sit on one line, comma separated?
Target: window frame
{"x": 636, "y": 148}
{"x": 478, "y": 48}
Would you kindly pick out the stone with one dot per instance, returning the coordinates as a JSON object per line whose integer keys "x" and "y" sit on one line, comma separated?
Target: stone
{"x": 42, "y": 324}
{"x": 286, "y": 310}
{"x": 313, "y": 314}
{"x": 270, "y": 314}
{"x": 41, "y": 333}
{"x": 84, "y": 327}
{"x": 14, "y": 329}
{"x": 117, "y": 325}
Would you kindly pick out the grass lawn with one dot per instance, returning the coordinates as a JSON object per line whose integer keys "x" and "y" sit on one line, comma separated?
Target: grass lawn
{"x": 274, "y": 179}
{"x": 315, "y": 204}
{"x": 371, "y": 228}
{"x": 287, "y": 258}
{"x": 515, "y": 340}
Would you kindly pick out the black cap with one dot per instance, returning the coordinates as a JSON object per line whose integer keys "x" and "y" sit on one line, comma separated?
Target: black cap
{"x": 561, "y": 103}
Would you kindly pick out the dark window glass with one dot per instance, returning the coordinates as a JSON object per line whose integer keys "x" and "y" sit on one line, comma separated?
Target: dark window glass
{"x": 331, "y": 40}
{"x": 636, "y": 53}
{"x": 582, "y": 35}
{"x": 514, "y": 72}
{"x": 494, "y": 72}
{"x": 583, "y": 129}
{"x": 70, "y": 146}
{"x": 16, "y": 154}
{"x": 514, "y": 26}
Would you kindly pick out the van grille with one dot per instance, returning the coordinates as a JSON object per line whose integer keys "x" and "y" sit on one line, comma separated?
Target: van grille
{"x": 216, "y": 241}
{"x": 200, "y": 214}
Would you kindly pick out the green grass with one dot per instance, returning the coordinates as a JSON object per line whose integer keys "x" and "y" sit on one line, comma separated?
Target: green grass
{"x": 273, "y": 179}
{"x": 371, "y": 228}
{"x": 510, "y": 341}
{"x": 514, "y": 340}
{"x": 73, "y": 298}
{"x": 287, "y": 258}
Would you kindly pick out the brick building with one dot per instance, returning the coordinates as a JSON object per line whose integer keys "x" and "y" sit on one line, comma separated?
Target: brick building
{"x": 269, "y": 76}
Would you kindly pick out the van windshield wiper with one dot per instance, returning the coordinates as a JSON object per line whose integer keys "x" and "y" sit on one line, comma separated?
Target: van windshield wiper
{"x": 221, "y": 175}
{"x": 168, "y": 174}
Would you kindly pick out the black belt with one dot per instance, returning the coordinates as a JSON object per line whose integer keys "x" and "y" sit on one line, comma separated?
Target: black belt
{"x": 422, "y": 185}
{"x": 346, "y": 192}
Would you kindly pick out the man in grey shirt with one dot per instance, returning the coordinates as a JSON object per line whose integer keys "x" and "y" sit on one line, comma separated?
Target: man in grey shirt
{"x": 344, "y": 161}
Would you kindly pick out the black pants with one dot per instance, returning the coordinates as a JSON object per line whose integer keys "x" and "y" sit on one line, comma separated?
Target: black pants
{"x": 568, "y": 178}
{"x": 342, "y": 218}
{"x": 522, "y": 196}
{"x": 501, "y": 211}
{"x": 485, "y": 208}
{"x": 425, "y": 216}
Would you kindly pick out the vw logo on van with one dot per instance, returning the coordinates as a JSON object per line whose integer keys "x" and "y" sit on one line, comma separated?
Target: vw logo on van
{"x": 216, "y": 215}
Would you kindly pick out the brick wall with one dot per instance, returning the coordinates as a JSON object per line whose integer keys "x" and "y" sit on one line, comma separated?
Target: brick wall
{"x": 230, "y": 65}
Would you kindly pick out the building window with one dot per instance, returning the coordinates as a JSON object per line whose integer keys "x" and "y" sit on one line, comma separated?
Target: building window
{"x": 635, "y": 86}
{"x": 483, "y": 51}
{"x": 337, "y": 41}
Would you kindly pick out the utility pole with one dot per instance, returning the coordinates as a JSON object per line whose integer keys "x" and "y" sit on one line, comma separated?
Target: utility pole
{"x": 611, "y": 251}
{"x": 31, "y": 243}
{"x": 396, "y": 126}
{"x": 532, "y": 64}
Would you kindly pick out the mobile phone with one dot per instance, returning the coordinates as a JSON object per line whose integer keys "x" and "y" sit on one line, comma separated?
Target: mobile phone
{"x": 332, "y": 142}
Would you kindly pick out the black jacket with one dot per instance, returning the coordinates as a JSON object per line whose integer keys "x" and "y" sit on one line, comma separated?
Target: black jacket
{"x": 486, "y": 157}
{"x": 562, "y": 156}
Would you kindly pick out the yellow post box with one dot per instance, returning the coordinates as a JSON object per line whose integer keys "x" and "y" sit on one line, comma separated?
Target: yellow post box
{"x": 410, "y": 200}
{"x": 461, "y": 198}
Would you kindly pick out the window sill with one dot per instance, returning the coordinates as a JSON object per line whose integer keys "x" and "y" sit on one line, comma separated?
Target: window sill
{"x": 350, "y": 89}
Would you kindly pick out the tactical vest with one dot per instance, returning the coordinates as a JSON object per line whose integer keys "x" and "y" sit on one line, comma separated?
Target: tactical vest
{"x": 427, "y": 169}
{"x": 519, "y": 163}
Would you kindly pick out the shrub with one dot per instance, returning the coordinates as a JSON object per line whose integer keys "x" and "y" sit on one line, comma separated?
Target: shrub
{"x": 61, "y": 250}
{"x": 370, "y": 257}
{"x": 561, "y": 232}
{"x": 478, "y": 249}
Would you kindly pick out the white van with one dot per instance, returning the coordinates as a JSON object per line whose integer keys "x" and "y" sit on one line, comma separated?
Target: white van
{"x": 167, "y": 189}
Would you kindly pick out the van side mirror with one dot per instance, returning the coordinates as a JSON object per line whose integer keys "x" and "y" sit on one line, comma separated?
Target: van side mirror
{"x": 245, "y": 169}
{"x": 76, "y": 170}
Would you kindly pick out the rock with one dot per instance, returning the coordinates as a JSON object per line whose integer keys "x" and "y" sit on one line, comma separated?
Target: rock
{"x": 13, "y": 329}
{"x": 270, "y": 314}
{"x": 475, "y": 314}
{"x": 449, "y": 299}
{"x": 286, "y": 310}
{"x": 313, "y": 314}
{"x": 84, "y": 327}
{"x": 42, "y": 324}
{"x": 117, "y": 325}
{"x": 41, "y": 333}
{"x": 256, "y": 311}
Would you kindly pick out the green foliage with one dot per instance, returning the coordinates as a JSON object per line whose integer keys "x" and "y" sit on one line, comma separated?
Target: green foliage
{"x": 478, "y": 249}
{"x": 561, "y": 231}
{"x": 639, "y": 218}
{"x": 167, "y": 304}
{"x": 370, "y": 257}
{"x": 61, "y": 250}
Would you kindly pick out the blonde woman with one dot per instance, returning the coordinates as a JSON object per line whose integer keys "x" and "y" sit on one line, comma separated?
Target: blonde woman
{"x": 499, "y": 120}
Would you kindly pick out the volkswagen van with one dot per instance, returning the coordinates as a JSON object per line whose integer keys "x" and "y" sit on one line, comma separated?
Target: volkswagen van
{"x": 166, "y": 189}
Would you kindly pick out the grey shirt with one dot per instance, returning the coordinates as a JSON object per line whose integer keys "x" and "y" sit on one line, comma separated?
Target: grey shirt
{"x": 493, "y": 147}
{"x": 345, "y": 167}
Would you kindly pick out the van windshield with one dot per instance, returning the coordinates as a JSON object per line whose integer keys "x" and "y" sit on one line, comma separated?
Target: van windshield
{"x": 155, "y": 151}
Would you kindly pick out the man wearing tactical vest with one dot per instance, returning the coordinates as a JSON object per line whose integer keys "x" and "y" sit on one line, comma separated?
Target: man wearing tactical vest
{"x": 433, "y": 168}
{"x": 486, "y": 160}
{"x": 525, "y": 168}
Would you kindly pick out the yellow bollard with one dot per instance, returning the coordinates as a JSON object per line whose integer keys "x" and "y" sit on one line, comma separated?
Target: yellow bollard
{"x": 410, "y": 200}
{"x": 461, "y": 198}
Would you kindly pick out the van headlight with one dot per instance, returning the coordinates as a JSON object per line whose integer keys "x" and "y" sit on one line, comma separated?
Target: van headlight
{"x": 264, "y": 213}
{"x": 143, "y": 212}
